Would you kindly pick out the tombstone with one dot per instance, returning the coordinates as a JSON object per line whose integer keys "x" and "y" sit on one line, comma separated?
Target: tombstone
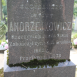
{"x": 39, "y": 29}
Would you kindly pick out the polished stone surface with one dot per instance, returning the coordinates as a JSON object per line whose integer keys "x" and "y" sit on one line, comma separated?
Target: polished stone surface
{"x": 66, "y": 69}
{"x": 39, "y": 29}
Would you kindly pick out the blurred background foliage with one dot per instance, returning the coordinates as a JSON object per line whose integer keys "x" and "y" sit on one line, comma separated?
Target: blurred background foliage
{"x": 75, "y": 8}
{"x": 3, "y": 20}
{"x": 4, "y": 7}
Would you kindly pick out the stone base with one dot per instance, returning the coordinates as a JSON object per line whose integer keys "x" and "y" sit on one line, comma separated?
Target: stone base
{"x": 66, "y": 69}
{"x": 2, "y": 50}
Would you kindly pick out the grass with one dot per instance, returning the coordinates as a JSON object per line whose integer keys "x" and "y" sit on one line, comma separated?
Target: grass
{"x": 1, "y": 73}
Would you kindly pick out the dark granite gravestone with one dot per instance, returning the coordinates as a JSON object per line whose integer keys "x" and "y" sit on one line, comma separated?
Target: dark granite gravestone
{"x": 39, "y": 29}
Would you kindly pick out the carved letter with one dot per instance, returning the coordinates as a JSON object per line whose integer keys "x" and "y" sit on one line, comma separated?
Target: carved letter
{"x": 64, "y": 24}
{"x": 69, "y": 26}
{"x": 26, "y": 26}
{"x": 11, "y": 27}
{"x": 37, "y": 28}
{"x": 32, "y": 26}
{"x": 15, "y": 26}
{"x": 21, "y": 26}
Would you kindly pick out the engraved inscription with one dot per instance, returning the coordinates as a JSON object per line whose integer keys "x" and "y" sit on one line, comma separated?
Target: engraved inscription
{"x": 35, "y": 6}
{"x": 38, "y": 43}
{"x": 36, "y": 26}
{"x": 38, "y": 36}
{"x": 40, "y": 57}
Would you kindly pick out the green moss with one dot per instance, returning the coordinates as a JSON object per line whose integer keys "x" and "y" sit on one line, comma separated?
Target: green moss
{"x": 7, "y": 57}
{"x": 37, "y": 63}
{"x": 1, "y": 73}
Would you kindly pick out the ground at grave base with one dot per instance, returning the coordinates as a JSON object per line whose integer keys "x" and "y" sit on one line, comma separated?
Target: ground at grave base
{"x": 76, "y": 73}
{"x": 1, "y": 60}
{"x": 1, "y": 73}
{"x": 73, "y": 56}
